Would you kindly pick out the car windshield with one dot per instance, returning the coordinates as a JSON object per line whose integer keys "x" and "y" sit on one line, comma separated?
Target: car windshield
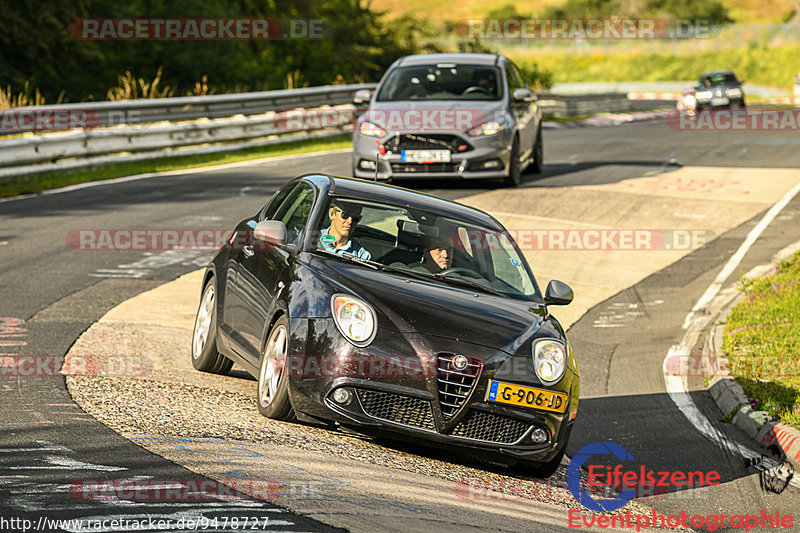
{"x": 419, "y": 243}
{"x": 442, "y": 82}
{"x": 719, "y": 79}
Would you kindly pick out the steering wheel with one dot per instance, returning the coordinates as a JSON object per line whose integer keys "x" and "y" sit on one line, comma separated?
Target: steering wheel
{"x": 475, "y": 89}
{"x": 460, "y": 270}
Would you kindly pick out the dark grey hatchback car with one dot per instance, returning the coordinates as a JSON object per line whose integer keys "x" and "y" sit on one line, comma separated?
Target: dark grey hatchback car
{"x": 467, "y": 116}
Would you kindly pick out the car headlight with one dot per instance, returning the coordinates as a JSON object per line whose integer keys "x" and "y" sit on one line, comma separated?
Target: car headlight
{"x": 487, "y": 128}
{"x": 371, "y": 130}
{"x": 549, "y": 361}
{"x": 734, "y": 93}
{"x": 704, "y": 95}
{"x": 354, "y": 318}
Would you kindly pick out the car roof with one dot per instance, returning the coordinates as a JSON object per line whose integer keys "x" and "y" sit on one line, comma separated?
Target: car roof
{"x": 370, "y": 190}
{"x": 716, "y": 73}
{"x": 464, "y": 59}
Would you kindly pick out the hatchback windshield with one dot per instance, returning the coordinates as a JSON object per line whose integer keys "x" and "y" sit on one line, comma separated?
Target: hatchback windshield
{"x": 442, "y": 82}
{"x": 419, "y": 243}
{"x": 720, "y": 79}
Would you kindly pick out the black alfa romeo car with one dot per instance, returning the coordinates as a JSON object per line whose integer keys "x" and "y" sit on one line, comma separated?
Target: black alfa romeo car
{"x": 394, "y": 312}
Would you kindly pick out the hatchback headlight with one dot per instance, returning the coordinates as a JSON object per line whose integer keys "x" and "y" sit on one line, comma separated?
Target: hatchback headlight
{"x": 704, "y": 95}
{"x": 354, "y": 318}
{"x": 734, "y": 93}
{"x": 371, "y": 130}
{"x": 487, "y": 128}
{"x": 549, "y": 361}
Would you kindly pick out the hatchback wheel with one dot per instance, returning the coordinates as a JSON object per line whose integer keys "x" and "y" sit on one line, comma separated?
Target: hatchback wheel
{"x": 273, "y": 386}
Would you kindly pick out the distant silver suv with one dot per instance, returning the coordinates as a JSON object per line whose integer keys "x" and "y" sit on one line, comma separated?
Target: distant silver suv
{"x": 468, "y": 116}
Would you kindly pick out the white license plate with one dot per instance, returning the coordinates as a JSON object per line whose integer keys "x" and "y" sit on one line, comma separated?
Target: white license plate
{"x": 425, "y": 156}
{"x": 720, "y": 101}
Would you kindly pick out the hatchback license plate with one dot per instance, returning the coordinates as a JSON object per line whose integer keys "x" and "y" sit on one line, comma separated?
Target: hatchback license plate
{"x": 720, "y": 101}
{"x": 526, "y": 396}
{"x": 425, "y": 156}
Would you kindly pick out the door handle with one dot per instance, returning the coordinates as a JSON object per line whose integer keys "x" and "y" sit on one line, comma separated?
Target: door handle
{"x": 248, "y": 250}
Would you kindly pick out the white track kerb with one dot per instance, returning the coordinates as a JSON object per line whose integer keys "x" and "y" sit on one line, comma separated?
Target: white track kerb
{"x": 698, "y": 318}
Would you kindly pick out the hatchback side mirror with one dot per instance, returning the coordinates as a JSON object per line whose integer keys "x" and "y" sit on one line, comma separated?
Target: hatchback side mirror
{"x": 362, "y": 96}
{"x": 523, "y": 95}
{"x": 558, "y": 293}
{"x": 270, "y": 231}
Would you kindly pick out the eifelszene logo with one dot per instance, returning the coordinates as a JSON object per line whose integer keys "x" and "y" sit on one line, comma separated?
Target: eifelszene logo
{"x": 627, "y": 483}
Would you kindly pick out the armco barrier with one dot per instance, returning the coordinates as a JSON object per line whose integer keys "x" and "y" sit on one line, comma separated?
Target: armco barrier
{"x": 139, "y": 130}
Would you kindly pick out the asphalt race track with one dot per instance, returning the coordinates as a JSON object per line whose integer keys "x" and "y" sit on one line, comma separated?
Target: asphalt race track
{"x": 51, "y": 293}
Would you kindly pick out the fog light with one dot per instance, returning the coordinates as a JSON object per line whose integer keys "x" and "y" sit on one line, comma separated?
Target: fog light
{"x": 539, "y": 435}
{"x": 342, "y": 396}
{"x": 366, "y": 164}
{"x": 494, "y": 163}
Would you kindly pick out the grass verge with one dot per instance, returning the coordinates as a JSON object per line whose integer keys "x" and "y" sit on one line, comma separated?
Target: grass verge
{"x": 35, "y": 183}
{"x": 762, "y": 342}
{"x": 771, "y": 66}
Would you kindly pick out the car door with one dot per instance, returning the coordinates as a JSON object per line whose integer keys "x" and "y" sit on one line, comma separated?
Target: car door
{"x": 526, "y": 112}
{"x": 242, "y": 236}
{"x": 265, "y": 272}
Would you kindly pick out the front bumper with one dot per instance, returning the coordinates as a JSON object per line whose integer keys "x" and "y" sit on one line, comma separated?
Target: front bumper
{"x": 492, "y": 150}
{"x": 408, "y": 401}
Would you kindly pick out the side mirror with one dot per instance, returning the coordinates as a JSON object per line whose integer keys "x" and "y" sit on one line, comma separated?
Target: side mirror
{"x": 270, "y": 231}
{"x": 558, "y": 293}
{"x": 362, "y": 96}
{"x": 523, "y": 95}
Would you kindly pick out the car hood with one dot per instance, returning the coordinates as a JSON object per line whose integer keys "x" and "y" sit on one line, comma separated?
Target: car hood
{"x": 435, "y": 308}
{"x": 432, "y": 116}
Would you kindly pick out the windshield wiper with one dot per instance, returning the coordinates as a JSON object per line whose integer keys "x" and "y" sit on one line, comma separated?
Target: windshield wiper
{"x": 467, "y": 283}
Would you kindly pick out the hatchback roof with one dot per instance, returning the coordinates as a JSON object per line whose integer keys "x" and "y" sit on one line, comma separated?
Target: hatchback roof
{"x": 469, "y": 59}
{"x": 371, "y": 190}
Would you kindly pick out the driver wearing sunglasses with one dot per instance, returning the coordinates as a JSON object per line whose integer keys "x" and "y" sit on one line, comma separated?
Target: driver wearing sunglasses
{"x": 336, "y": 238}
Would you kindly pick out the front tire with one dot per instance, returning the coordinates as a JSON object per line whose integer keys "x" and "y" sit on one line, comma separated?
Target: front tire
{"x": 537, "y": 165}
{"x": 514, "y": 169}
{"x": 544, "y": 470}
{"x": 273, "y": 382}
{"x": 205, "y": 356}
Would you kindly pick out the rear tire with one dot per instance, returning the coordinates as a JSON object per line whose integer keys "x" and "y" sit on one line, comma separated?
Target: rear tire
{"x": 273, "y": 383}
{"x": 205, "y": 356}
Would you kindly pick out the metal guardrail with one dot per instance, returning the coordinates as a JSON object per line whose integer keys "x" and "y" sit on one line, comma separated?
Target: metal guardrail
{"x": 563, "y": 106}
{"x": 174, "y": 127}
{"x": 194, "y": 107}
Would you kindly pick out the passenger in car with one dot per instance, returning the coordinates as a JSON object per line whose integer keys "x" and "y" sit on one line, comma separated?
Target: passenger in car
{"x": 438, "y": 255}
{"x": 336, "y": 238}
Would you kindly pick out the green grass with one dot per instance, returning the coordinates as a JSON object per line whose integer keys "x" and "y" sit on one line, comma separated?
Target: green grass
{"x": 762, "y": 342}
{"x": 772, "y": 66}
{"x": 35, "y": 183}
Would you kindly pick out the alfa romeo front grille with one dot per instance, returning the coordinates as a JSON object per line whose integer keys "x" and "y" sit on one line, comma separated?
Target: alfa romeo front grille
{"x": 490, "y": 427}
{"x": 455, "y": 386}
{"x": 397, "y": 408}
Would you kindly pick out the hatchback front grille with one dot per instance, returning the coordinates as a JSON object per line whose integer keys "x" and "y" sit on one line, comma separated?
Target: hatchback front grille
{"x": 490, "y": 427}
{"x": 455, "y": 386}
{"x": 411, "y": 168}
{"x": 397, "y": 408}
{"x": 411, "y": 141}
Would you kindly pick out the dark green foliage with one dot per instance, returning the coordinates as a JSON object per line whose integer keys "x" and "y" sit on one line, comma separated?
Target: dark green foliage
{"x": 36, "y": 45}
